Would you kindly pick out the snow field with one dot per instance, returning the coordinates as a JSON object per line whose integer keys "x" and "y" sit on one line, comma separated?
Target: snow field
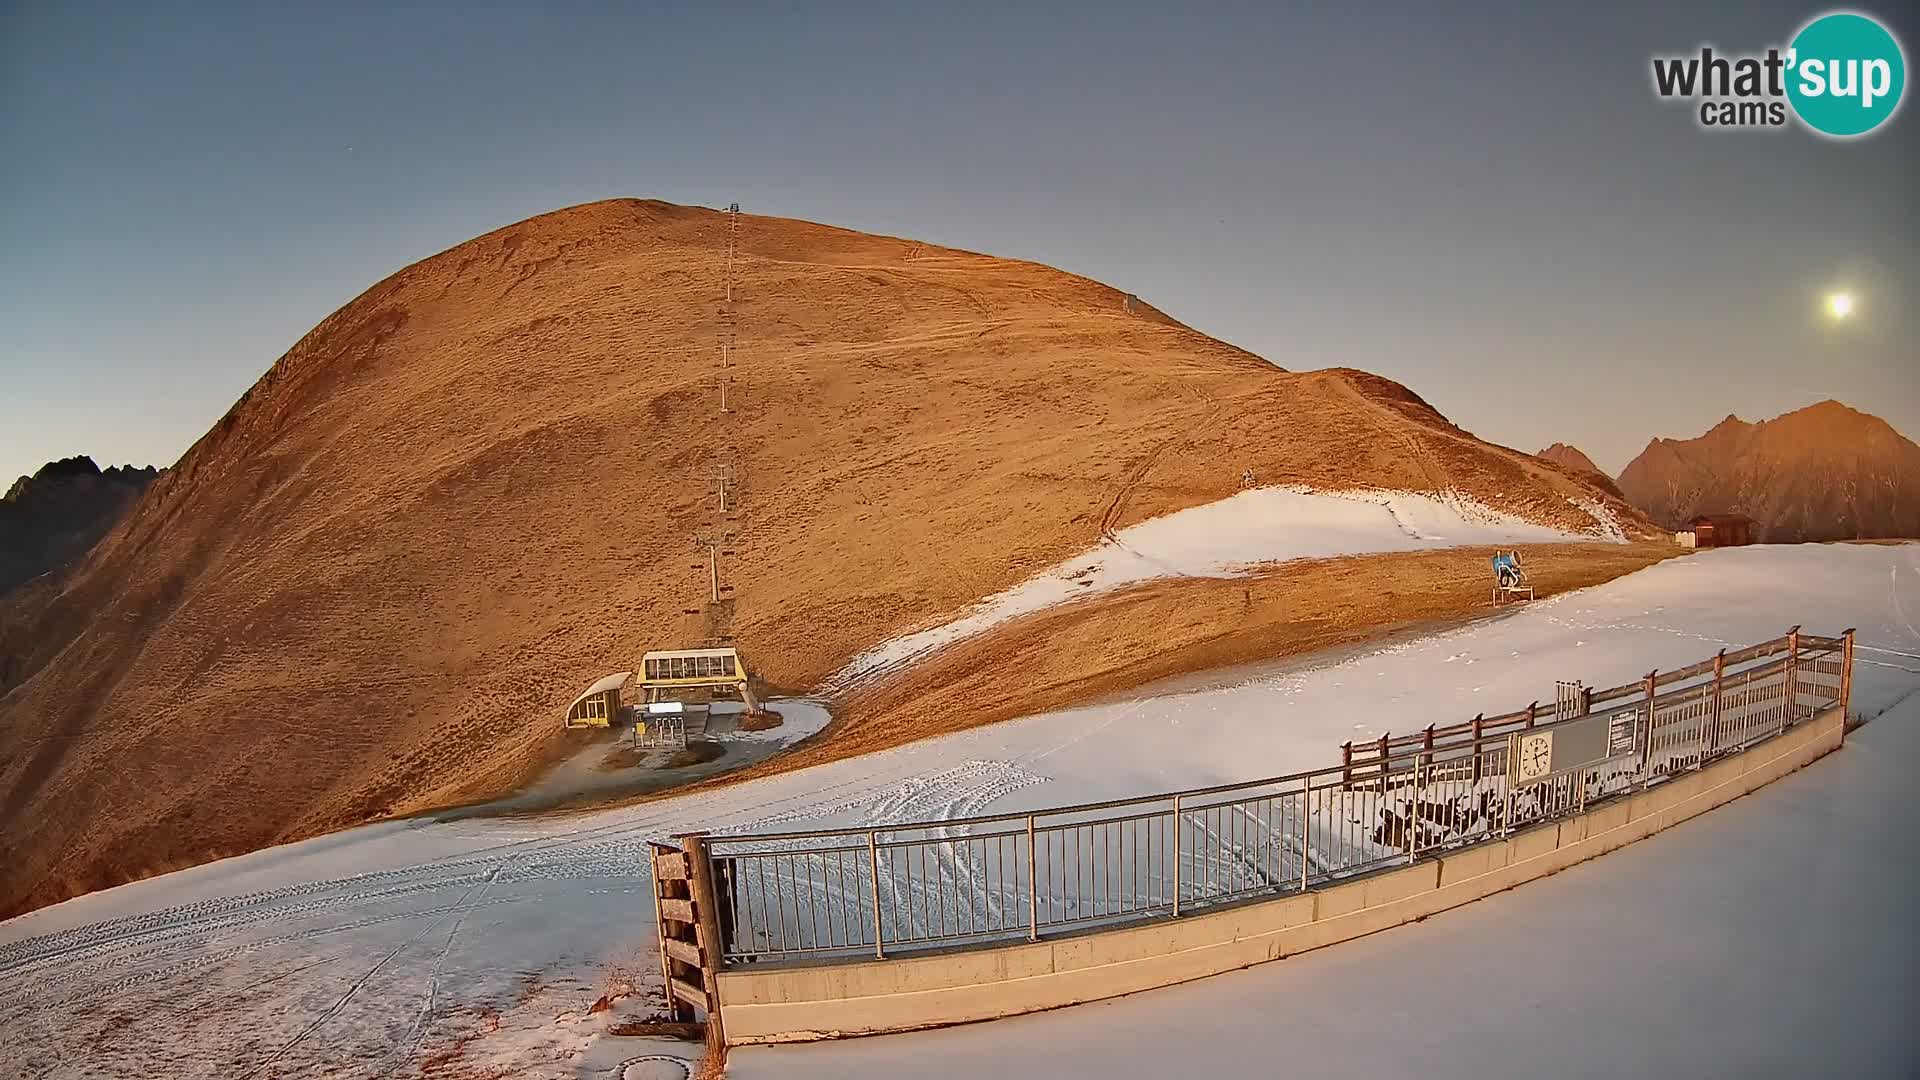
{"x": 368, "y": 951}
{"x": 1233, "y": 536}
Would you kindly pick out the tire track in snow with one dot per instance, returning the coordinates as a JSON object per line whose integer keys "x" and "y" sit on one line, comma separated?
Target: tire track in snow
{"x": 408, "y": 1044}
{"x": 1899, "y": 609}
{"x": 214, "y": 1000}
{"x": 151, "y": 938}
{"x": 354, "y": 989}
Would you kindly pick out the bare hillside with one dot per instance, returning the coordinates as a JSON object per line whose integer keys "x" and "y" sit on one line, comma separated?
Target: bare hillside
{"x": 373, "y": 585}
{"x": 1825, "y": 472}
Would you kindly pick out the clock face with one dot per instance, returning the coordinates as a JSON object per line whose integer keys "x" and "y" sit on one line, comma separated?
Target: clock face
{"x": 1535, "y": 757}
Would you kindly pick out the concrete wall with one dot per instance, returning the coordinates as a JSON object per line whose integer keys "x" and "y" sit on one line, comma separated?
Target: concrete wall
{"x": 871, "y": 997}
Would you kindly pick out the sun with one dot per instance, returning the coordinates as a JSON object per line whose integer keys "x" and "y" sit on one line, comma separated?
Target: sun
{"x": 1839, "y": 305}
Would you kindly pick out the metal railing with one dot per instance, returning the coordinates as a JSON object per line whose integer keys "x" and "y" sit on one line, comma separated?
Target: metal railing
{"x": 892, "y": 889}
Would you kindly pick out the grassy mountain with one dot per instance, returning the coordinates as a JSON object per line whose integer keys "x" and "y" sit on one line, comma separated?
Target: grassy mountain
{"x": 374, "y": 584}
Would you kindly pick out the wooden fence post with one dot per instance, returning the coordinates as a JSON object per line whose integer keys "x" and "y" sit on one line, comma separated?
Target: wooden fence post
{"x": 1713, "y": 726}
{"x": 1479, "y": 721}
{"x": 1346, "y": 765}
{"x": 1846, "y": 676}
{"x": 873, "y": 874}
{"x": 706, "y": 909}
{"x": 1646, "y": 753}
{"x": 1033, "y": 888}
{"x": 1793, "y": 679}
{"x": 1177, "y": 882}
{"x": 1533, "y": 708}
{"x": 677, "y": 1010}
{"x": 1422, "y": 760}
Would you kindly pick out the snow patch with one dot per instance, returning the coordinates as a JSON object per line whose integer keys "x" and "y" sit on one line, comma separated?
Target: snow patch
{"x": 1607, "y": 525}
{"x": 1232, "y": 537}
{"x": 799, "y": 718}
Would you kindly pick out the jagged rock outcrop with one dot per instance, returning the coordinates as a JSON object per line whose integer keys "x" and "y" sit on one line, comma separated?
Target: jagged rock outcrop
{"x": 51, "y": 518}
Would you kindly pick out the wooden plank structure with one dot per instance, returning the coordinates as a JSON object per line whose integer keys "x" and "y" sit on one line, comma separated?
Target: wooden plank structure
{"x": 687, "y": 916}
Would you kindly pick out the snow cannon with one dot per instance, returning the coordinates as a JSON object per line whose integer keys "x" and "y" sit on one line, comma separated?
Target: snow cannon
{"x": 1510, "y": 581}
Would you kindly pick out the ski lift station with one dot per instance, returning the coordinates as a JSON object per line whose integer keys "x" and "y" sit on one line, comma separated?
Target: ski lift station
{"x": 665, "y": 673}
{"x": 599, "y": 704}
{"x": 666, "y": 676}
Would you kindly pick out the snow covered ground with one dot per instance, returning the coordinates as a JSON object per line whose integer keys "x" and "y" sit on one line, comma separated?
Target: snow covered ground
{"x": 479, "y": 944}
{"x": 1771, "y": 938}
{"x": 1232, "y": 536}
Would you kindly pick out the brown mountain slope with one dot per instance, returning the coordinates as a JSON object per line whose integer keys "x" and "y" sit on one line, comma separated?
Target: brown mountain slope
{"x": 1825, "y": 472}
{"x": 372, "y": 586}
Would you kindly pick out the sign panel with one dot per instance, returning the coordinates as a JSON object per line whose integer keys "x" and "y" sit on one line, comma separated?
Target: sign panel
{"x": 1620, "y": 732}
{"x": 1561, "y": 748}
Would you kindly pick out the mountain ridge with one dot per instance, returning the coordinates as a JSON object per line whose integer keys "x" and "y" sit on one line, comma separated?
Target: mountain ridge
{"x": 1823, "y": 472}
{"x": 370, "y": 587}
{"x": 52, "y": 517}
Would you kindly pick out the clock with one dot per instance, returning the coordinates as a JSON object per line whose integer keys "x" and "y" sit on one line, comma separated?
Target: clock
{"x": 1533, "y": 755}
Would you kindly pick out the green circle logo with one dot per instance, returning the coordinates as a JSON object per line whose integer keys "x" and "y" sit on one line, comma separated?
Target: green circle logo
{"x": 1846, "y": 74}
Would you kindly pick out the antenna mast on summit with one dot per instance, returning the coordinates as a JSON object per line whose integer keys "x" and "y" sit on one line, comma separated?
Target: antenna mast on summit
{"x": 733, "y": 243}
{"x": 727, "y": 324}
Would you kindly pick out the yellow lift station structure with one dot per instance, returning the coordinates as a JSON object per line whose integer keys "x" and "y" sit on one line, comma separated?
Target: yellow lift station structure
{"x": 665, "y": 672}
{"x": 599, "y": 705}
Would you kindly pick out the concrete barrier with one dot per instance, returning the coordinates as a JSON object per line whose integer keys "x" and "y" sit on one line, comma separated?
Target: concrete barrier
{"x": 793, "y": 1004}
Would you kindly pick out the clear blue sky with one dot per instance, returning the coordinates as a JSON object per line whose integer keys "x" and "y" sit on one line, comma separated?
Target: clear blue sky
{"x": 1486, "y": 203}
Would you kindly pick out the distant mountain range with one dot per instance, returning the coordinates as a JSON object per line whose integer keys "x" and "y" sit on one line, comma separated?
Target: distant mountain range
{"x": 1825, "y": 472}
{"x": 1570, "y": 456}
{"x": 1574, "y": 463}
{"x": 51, "y": 518}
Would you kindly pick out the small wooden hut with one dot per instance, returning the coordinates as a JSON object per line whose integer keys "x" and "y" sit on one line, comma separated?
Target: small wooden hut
{"x": 1720, "y": 530}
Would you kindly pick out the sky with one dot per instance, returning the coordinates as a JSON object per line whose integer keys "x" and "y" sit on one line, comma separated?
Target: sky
{"x": 1487, "y": 203}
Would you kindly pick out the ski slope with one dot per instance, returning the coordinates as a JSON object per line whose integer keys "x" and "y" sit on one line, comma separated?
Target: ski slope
{"x": 475, "y": 947}
{"x": 1233, "y": 536}
{"x": 1770, "y": 938}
